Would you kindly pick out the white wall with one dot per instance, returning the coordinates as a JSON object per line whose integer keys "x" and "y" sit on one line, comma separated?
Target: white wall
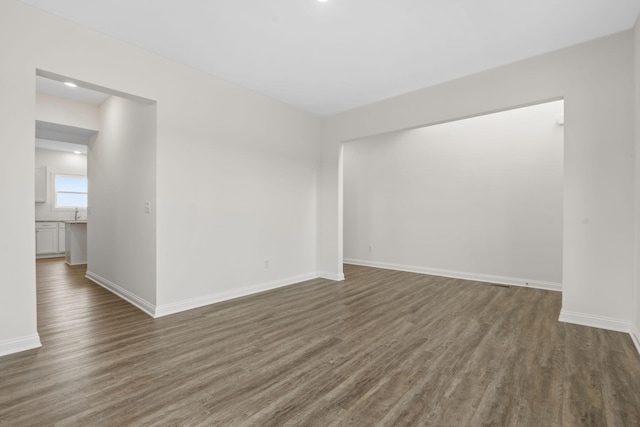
{"x": 596, "y": 81}
{"x": 67, "y": 112}
{"x": 477, "y": 198}
{"x": 121, "y": 236}
{"x": 635, "y": 332}
{"x": 62, "y": 163}
{"x": 233, "y": 193}
{"x": 17, "y": 290}
{"x": 235, "y": 170}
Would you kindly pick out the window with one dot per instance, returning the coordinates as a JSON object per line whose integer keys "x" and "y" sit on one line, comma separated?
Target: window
{"x": 70, "y": 191}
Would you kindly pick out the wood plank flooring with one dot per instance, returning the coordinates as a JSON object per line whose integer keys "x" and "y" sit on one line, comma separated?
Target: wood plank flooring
{"x": 383, "y": 348}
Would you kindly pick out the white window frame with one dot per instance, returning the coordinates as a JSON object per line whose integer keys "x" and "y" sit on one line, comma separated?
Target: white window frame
{"x": 55, "y": 191}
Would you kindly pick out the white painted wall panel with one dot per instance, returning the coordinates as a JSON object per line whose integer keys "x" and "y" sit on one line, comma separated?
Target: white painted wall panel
{"x": 636, "y": 294}
{"x": 478, "y": 196}
{"x": 67, "y": 112}
{"x": 121, "y": 236}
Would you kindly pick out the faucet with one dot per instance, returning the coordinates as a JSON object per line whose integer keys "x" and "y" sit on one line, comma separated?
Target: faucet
{"x": 76, "y": 215}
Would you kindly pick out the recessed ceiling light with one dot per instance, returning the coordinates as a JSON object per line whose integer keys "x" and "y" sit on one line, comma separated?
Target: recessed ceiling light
{"x": 77, "y": 152}
{"x": 70, "y": 84}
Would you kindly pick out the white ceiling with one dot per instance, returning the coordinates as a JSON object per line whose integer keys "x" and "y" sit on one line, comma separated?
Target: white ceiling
{"x": 59, "y": 89}
{"x": 332, "y": 56}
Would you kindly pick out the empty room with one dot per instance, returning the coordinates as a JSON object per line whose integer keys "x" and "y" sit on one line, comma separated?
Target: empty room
{"x": 320, "y": 213}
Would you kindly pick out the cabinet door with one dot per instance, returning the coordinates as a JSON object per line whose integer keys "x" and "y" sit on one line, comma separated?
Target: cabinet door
{"x": 46, "y": 241}
{"x": 61, "y": 239}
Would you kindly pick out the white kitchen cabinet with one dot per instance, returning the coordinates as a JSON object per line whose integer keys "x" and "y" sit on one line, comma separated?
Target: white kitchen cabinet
{"x": 76, "y": 247}
{"x": 41, "y": 184}
{"x": 46, "y": 238}
{"x": 61, "y": 237}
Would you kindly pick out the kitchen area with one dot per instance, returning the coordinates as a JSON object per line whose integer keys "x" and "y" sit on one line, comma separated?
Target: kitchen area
{"x": 61, "y": 230}
{"x": 66, "y": 239}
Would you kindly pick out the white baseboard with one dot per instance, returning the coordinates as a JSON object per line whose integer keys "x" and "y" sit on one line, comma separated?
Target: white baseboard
{"x": 512, "y": 281}
{"x": 188, "y": 304}
{"x": 16, "y": 345}
{"x": 594, "y": 321}
{"x": 130, "y": 297}
{"x": 635, "y": 336}
{"x": 47, "y": 256}
{"x": 331, "y": 276}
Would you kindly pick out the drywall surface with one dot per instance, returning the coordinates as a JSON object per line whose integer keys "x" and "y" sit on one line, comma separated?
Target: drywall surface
{"x": 67, "y": 112}
{"x": 17, "y": 251}
{"x": 236, "y": 172}
{"x": 635, "y": 332}
{"x": 121, "y": 235}
{"x": 477, "y": 197}
{"x": 246, "y": 188}
{"x": 596, "y": 81}
{"x": 58, "y": 162}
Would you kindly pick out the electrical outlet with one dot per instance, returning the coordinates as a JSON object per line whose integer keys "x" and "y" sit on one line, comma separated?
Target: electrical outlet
{"x": 147, "y": 207}
{"x": 266, "y": 263}
{"x": 370, "y": 248}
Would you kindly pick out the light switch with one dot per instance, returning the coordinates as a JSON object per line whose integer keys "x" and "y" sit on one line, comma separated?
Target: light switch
{"x": 147, "y": 207}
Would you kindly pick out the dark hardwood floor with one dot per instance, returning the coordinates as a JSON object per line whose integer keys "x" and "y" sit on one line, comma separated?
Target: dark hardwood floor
{"x": 382, "y": 348}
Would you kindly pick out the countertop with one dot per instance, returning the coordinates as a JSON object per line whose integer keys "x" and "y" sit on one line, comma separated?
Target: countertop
{"x": 76, "y": 222}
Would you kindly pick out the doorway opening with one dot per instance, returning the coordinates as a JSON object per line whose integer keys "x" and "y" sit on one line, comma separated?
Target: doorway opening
{"x": 479, "y": 198}
{"x": 96, "y": 185}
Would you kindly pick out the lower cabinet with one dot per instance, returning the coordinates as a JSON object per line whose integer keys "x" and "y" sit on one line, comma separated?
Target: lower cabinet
{"x": 61, "y": 237}
{"x": 46, "y": 238}
{"x": 50, "y": 239}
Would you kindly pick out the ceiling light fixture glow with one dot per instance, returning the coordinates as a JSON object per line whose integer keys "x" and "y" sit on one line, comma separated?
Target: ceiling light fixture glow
{"x": 70, "y": 84}
{"x": 77, "y": 152}
{"x": 323, "y": 1}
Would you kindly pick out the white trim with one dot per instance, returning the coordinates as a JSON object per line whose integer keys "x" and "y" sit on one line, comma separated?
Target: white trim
{"x": 594, "y": 321}
{"x": 189, "y": 304}
{"x": 331, "y": 276}
{"x": 126, "y": 295}
{"x": 635, "y": 337}
{"x": 16, "y": 345}
{"x": 502, "y": 280}
{"x": 53, "y": 255}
